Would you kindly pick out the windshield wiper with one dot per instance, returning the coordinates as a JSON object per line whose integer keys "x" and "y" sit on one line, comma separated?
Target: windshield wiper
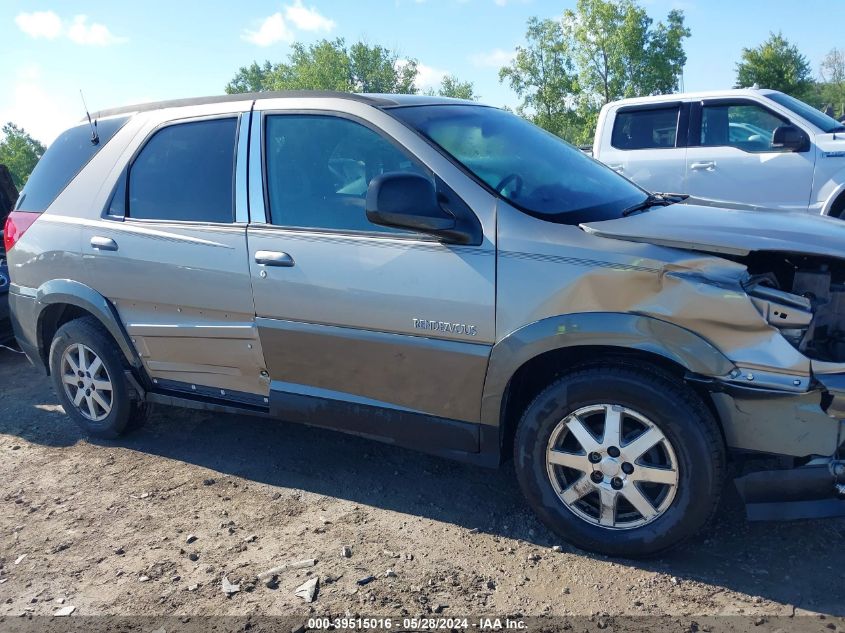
{"x": 654, "y": 200}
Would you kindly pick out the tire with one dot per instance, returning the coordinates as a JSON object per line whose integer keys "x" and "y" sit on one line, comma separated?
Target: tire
{"x": 837, "y": 209}
{"x": 607, "y": 516}
{"x": 104, "y": 409}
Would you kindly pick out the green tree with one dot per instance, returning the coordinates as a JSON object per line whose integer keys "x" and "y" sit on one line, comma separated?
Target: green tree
{"x": 330, "y": 65}
{"x": 19, "y": 152}
{"x": 451, "y": 86}
{"x": 602, "y": 51}
{"x": 775, "y": 64}
{"x": 619, "y": 54}
{"x": 832, "y": 88}
{"x": 542, "y": 75}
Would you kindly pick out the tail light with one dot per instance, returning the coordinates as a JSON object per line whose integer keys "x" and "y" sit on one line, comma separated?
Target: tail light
{"x": 16, "y": 225}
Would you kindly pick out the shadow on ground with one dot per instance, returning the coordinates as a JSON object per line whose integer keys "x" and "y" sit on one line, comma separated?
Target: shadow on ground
{"x": 794, "y": 563}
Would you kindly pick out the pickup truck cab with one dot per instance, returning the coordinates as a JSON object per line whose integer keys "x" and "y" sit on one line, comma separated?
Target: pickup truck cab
{"x": 751, "y": 146}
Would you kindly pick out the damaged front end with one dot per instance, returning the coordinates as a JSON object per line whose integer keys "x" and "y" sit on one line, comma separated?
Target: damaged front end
{"x": 803, "y": 297}
{"x": 784, "y": 403}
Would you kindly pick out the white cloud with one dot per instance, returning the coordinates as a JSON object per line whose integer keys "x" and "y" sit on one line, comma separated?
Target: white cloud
{"x": 307, "y": 18}
{"x": 272, "y": 29}
{"x": 429, "y": 77}
{"x": 48, "y": 25}
{"x": 38, "y": 24}
{"x": 492, "y": 59}
{"x": 280, "y": 28}
{"x": 42, "y": 112}
{"x": 94, "y": 34}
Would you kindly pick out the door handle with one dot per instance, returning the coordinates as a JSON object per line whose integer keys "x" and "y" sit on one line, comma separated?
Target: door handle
{"x": 708, "y": 165}
{"x": 273, "y": 258}
{"x": 617, "y": 167}
{"x": 103, "y": 243}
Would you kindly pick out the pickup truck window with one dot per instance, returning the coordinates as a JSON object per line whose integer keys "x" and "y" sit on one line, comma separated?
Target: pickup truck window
{"x": 534, "y": 170}
{"x": 648, "y": 128}
{"x": 745, "y": 126}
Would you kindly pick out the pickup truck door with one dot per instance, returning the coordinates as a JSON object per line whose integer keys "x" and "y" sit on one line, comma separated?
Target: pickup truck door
{"x": 646, "y": 143}
{"x": 364, "y": 328}
{"x": 731, "y": 157}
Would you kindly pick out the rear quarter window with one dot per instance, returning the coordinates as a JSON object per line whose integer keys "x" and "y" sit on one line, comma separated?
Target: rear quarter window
{"x": 645, "y": 129}
{"x": 64, "y": 159}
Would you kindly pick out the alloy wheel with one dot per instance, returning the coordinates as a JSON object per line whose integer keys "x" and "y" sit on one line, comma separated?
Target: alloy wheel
{"x": 612, "y": 466}
{"x": 86, "y": 382}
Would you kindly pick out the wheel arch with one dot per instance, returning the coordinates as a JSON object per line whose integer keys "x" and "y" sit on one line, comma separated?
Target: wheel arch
{"x": 832, "y": 193}
{"x": 528, "y": 360}
{"x": 61, "y": 300}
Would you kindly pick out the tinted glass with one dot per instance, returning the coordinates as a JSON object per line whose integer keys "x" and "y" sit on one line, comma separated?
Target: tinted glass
{"x": 63, "y": 160}
{"x": 808, "y": 112}
{"x": 645, "y": 129}
{"x": 186, "y": 172}
{"x": 747, "y": 127}
{"x": 536, "y": 171}
{"x": 319, "y": 168}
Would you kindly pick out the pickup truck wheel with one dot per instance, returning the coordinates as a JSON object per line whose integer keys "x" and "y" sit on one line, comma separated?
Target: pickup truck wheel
{"x": 88, "y": 376}
{"x": 620, "y": 461}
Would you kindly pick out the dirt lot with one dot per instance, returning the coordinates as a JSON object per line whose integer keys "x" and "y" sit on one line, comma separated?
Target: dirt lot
{"x": 104, "y": 526}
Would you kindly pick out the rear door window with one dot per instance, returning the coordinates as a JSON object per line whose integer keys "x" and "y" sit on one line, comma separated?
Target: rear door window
{"x": 185, "y": 172}
{"x": 64, "y": 159}
{"x": 649, "y": 128}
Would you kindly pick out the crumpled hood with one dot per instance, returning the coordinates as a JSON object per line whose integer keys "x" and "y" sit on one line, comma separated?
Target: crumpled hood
{"x": 695, "y": 225}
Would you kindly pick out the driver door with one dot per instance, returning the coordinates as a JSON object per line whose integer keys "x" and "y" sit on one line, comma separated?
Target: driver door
{"x": 731, "y": 157}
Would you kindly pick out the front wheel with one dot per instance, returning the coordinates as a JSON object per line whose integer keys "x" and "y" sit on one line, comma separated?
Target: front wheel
{"x": 620, "y": 461}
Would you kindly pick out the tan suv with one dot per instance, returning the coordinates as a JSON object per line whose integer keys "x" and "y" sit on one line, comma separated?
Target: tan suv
{"x": 445, "y": 276}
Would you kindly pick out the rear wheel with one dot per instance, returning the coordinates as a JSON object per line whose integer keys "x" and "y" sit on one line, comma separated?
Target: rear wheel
{"x": 620, "y": 461}
{"x": 89, "y": 377}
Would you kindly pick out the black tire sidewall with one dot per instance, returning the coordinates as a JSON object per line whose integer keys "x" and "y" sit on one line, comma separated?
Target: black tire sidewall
{"x": 89, "y": 333}
{"x": 683, "y": 425}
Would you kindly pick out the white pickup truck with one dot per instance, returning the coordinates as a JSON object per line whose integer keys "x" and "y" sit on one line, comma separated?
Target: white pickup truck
{"x": 758, "y": 147}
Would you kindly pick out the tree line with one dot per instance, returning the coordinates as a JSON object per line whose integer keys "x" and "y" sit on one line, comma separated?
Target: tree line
{"x": 566, "y": 69}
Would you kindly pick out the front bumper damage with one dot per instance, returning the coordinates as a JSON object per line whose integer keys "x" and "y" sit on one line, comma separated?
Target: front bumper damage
{"x": 799, "y": 420}
{"x": 813, "y": 491}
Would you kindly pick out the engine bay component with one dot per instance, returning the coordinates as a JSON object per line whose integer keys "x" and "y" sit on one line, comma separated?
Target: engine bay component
{"x": 802, "y": 296}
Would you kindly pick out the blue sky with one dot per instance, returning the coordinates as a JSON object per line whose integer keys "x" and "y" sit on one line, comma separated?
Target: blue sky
{"x": 127, "y": 52}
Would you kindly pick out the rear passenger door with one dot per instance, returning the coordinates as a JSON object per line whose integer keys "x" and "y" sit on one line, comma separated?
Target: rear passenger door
{"x": 171, "y": 255}
{"x": 647, "y": 145}
{"x": 364, "y": 327}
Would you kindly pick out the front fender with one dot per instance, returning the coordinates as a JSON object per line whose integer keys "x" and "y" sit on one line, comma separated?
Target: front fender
{"x": 69, "y": 292}
{"x": 606, "y": 329}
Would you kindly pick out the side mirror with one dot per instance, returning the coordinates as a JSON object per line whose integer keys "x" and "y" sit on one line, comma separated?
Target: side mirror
{"x": 407, "y": 201}
{"x": 789, "y": 138}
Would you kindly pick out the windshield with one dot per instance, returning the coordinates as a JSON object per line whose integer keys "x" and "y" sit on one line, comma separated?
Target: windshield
{"x": 808, "y": 112}
{"x": 536, "y": 171}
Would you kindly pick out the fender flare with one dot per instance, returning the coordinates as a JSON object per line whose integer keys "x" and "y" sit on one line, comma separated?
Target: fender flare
{"x": 606, "y": 329}
{"x": 69, "y": 292}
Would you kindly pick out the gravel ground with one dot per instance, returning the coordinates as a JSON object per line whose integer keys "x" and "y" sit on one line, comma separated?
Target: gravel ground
{"x": 104, "y": 527}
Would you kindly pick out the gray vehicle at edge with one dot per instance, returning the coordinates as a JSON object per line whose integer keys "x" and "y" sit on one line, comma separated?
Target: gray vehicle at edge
{"x": 445, "y": 276}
